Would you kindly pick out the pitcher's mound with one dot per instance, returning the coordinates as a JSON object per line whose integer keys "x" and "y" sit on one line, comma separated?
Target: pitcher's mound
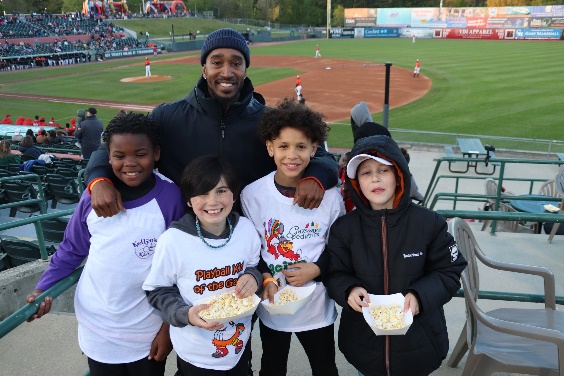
{"x": 146, "y": 79}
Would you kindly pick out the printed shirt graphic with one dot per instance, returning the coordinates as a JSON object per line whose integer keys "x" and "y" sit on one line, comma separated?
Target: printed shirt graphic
{"x": 200, "y": 272}
{"x": 290, "y": 235}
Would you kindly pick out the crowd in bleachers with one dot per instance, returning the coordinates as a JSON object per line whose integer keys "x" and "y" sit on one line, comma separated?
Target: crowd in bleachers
{"x": 39, "y": 121}
{"x": 99, "y": 36}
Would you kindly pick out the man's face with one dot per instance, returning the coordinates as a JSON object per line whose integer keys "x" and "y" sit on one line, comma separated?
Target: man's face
{"x": 225, "y": 72}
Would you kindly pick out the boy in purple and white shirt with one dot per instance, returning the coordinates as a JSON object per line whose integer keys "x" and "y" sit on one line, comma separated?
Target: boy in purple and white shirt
{"x": 117, "y": 328}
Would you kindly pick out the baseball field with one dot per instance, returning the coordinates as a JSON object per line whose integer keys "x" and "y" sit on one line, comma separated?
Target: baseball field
{"x": 505, "y": 88}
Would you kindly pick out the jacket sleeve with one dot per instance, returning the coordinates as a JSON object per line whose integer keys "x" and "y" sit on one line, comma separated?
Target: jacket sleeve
{"x": 323, "y": 167}
{"x": 339, "y": 278}
{"x": 98, "y": 165}
{"x": 173, "y": 308}
{"x": 444, "y": 265}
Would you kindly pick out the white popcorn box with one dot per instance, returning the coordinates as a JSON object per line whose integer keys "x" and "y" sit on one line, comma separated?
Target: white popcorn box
{"x": 224, "y": 320}
{"x": 387, "y": 300}
{"x": 304, "y": 295}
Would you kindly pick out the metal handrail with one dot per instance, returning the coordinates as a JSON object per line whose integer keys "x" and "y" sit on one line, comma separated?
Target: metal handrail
{"x": 503, "y": 161}
{"x": 36, "y": 221}
{"x": 21, "y": 315}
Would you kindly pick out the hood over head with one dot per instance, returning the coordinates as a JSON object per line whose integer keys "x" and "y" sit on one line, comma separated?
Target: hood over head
{"x": 385, "y": 148}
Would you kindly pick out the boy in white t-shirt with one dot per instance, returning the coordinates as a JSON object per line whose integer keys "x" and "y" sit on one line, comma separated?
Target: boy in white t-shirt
{"x": 119, "y": 332}
{"x": 293, "y": 239}
{"x": 209, "y": 251}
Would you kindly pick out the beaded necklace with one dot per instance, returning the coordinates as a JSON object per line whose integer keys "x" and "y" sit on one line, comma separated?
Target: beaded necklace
{"x": 199, "y": 231}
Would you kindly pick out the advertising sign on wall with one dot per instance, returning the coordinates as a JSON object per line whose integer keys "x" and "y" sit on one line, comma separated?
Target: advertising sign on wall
{"x": 501, "y": 22}
{"x": 390, "y": 17}
{"x": 547, "y": 11}
{"x": 136, "y": 52}
{"x": 360, "y": 17}
{"x": 339, "y": 33}
{"x": 508, "y": 11}
{"x": 538, "y": 33}
{"x": 381, "y": 32}
{"x": 471, "y": 34}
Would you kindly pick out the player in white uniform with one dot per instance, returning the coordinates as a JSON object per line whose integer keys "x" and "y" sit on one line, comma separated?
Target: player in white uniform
{"x": 147, "y": 67}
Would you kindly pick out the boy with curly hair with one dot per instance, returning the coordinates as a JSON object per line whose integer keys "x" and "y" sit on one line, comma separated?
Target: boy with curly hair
{"x": 293, "y": 239}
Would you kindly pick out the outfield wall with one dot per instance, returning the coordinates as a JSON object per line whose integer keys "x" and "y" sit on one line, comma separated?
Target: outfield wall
{"x": 446, "y": 33}
{"x": 514, "y": 22}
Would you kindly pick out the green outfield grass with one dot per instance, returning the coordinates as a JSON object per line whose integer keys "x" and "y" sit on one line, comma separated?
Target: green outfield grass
{"x": 504, "y": 88}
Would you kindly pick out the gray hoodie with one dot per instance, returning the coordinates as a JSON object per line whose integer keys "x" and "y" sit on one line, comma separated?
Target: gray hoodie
{"x": 173, "y": 308}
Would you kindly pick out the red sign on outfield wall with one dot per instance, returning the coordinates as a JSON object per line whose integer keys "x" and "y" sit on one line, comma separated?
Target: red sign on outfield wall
{"x": 471, "y": 34}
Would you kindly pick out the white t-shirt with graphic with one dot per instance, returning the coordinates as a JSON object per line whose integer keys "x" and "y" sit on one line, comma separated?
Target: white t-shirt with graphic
{"x": 200, "y": 271}
{"x": 289, "y": 235}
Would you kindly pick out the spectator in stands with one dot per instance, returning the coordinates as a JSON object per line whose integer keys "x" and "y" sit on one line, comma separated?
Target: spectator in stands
{"x": 6, "y": 156}
{"x": 42, "y": 137}
{"x": 54, "y": 138}
{"x": 30, "y": 133}
{"x": 89, "y": 133}
{"x": 70, "y": 129}
{"x": 27, "y": 122}
{"x": 35, "y": 121}
{"x": 20, "y": 120}
{"x": 27, "y": 148}
{"x": 42, "y": 121}
{"x": 17, "y": 137}
{"x": 51, "y": 122}
{"x": 7, "y": 120}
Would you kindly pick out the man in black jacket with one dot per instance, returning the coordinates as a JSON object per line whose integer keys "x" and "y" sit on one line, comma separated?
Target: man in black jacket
{"x": 219, "y": 116}
{"x": 89, "y": 133}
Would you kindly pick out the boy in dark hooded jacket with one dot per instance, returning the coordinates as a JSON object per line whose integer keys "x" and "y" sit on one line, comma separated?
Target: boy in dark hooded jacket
{"x": 390, "y": 245}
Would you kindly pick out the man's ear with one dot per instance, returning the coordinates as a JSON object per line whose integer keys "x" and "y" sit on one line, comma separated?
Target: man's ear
{"x": 204, "y": 74}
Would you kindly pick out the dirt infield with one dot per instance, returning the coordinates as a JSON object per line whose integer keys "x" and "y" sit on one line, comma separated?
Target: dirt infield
{"x": 330, "y": 86}
{"x": 334, "y": 86}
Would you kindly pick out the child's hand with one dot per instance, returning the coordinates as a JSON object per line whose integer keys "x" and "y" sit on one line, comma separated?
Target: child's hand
{"x": 305, "y": 273}
{"x": 246, "y": 286}
{"x": 161, "y": 345}
{"x": 44, "y": 306}
{"x": 269, "y": 291}
{"x": 195, "y": 319}
{"x": 411, "y": 303}
{"x": 355, "y": 301}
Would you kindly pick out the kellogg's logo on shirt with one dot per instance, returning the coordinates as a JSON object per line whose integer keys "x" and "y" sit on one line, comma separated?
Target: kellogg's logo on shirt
{"x": 145, "y": 248}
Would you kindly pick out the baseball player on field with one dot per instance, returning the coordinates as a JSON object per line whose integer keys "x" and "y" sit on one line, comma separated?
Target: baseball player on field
{"x": 298, "y": 87}
{"x": 417, "y": 68}
{"x": 317, "y": 52}
{"x": 147, "y": 67}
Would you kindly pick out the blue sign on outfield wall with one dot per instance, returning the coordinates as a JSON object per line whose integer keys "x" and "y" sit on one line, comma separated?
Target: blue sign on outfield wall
{"x": 136, "y": 52}
{"x": 538, "y": 33}
{"x": 381, "y": 32}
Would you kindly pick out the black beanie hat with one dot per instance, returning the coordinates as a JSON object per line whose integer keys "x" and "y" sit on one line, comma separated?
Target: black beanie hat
{"x": 225, "y": 38}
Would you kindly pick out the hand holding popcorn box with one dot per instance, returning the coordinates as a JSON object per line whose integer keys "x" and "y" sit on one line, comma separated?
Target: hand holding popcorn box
{"x": 227, "y": 307}
{"x": 385, "y": 315}
{"x": 289, "y": 300}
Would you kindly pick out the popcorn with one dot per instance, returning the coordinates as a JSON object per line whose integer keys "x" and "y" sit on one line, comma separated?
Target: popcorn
{"x": 388, "y": 317}
{"x": 285, "y": 297}
{"x": 226, "y": 305}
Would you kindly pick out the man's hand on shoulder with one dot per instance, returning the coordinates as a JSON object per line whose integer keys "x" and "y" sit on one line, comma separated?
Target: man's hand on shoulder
{"x": 106, "y": 200}
{"x": 309, "y": 194}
